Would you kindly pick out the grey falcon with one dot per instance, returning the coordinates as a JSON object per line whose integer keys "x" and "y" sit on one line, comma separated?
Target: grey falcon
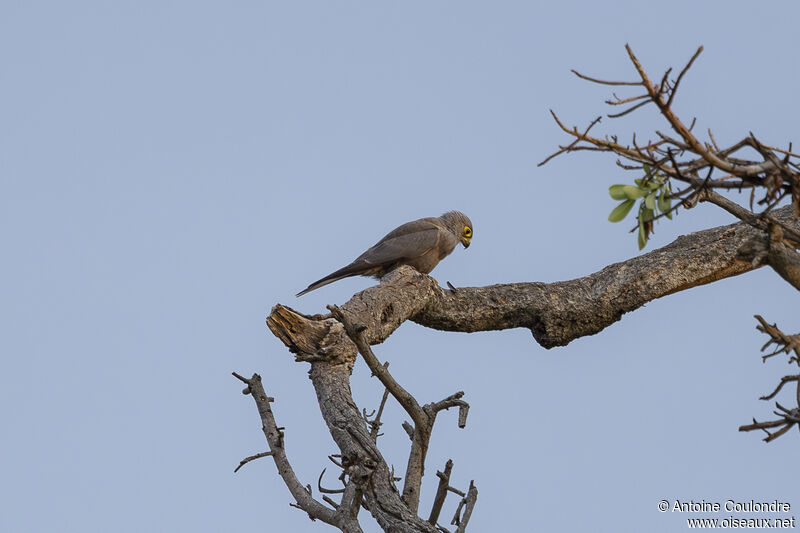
{"x": 420, "y": 244}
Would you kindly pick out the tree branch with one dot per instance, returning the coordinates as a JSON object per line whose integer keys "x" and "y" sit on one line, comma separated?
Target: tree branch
{"x": 251, "y": 458}
{"x": 274, "y": 435}
{"x": 441, "y": 492}
{"x": 788, "y": 417}
{"x": 403, "y": 397}
{"x": 557, "y": 313}
{"x": 325, "y": 343}
{"x": 423, "y": 417}
{"x": 468, "y": 504}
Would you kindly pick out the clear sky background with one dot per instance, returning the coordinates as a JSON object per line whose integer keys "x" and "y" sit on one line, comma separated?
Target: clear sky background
{"x": 171, "y": 170}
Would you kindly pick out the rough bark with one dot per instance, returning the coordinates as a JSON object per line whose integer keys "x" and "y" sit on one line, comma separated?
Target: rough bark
{"x": 332, "y": 354}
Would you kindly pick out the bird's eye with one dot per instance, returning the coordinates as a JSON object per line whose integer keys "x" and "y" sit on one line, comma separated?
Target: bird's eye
{"x": 467, "y": 231}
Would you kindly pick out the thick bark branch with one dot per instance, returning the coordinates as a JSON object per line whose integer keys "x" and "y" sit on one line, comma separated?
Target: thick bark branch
{"x": 786, "y": 262}
{"x": 332, "y": 353}
{"x": 560, "y": 312}
{"x": 423, "y": 417}
{"x": 782, "y": 258}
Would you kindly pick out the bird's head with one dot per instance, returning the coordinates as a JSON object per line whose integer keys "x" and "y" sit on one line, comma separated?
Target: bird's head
{"x": 460, "y": 225}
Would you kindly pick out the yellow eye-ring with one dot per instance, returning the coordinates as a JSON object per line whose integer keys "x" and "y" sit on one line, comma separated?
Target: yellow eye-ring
{"x": 467, "y": 231}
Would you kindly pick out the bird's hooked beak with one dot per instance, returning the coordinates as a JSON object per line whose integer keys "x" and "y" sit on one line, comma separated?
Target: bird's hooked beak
{"x": 465, "y": 242}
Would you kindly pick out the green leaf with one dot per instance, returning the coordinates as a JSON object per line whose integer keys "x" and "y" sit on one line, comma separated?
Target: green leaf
{"x": 653, "y": 185}
{"x": 642, "y": 236}
{"x": 633, "y": 192}
{"x": 664, "y": 203}
{"x": 650, "y": 201}
{"x": 646, "y": 168}
{"x": 617, "y": 192}
{"x": 621, "y": 211}
{"x": 646, "y": 214}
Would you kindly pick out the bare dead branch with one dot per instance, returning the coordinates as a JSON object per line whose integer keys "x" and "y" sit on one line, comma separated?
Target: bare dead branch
{"x": 664, "y": 86}
{"x": 572, "y": 145}
{"x": 453, "y": 400}
{"x": 441, "y": 492}
{"x": 468, "y": 504}
{"x": 713, "y": 141}
{"x": 786, "y": 343}
{"x": 324, "y": 490}
{"x": 330, "y": 502}
{"x": 780, "y": 150}
{"x": 375, "y": 424}
{"x": 778, "y": 433}
{"x": 788, "y": 417}
{"x": 629, "y": 110}
{"x": 302, "y": 496}
{"x": 422, "y": 418}
{"x": 463, "y": 411}
{"x": 680, "y": 76}
{"x": 251, "y": 458}
{"x": 784, "y": 381}
{"x": 604, "y": 82}
{"x": 763, "y": 426}
{"x": 403, "y": 397}
{"x": 621, "y": 101}
{"x": 367, "y": 471}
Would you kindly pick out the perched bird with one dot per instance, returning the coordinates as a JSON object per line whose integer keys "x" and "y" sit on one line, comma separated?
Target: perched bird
{"x": 420, "y": 244}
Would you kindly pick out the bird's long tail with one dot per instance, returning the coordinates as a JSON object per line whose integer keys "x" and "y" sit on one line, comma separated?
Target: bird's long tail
{"x": 345, "y": 272}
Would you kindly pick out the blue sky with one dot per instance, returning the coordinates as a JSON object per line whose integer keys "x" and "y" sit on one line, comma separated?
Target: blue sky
{"x": 171, "y": 170}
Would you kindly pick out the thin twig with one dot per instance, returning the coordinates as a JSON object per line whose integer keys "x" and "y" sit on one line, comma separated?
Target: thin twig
{"x": 629, "y": 110}
{"x": 620, "y": 101}
{"x": 375, "y": 424}
{"x": 251, "y": 458}
{"x": 324, "y": 490}
{"x": 680, "y": 76}
{"x": 571, "y": 146}
{"x": 784, "y": 381}
{"x": 604, "y": 82}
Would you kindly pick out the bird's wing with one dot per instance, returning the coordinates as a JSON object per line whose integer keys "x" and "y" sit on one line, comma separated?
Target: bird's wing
{"x": 407, "y": 242}
{"x": 415, "y": 226}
